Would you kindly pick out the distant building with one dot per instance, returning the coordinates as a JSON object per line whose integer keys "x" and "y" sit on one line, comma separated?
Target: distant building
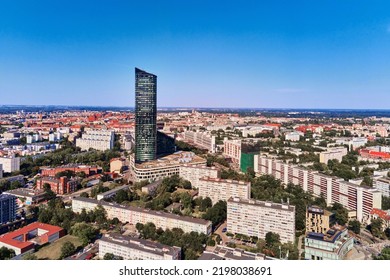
{"x": 333, "y": 245}
{"x": 333, "y": 153}
{"x": 194, "y": 173}
{"x": 23, "y": 240}
{"x": 293, "y": 136}
{"x": 134, "y": 215}
{"x": 145, "y": 116}
{"x": 202, "y": 140}
{"x": 220, "y": 189}
{"x": 130, "y": 248}
{"x": 111, "y": 193}
{"x": 75, "y": 168}
{"x": 318, "y": 220}
{"x": 256, "y": 218}
{"x": 232, "y": 149}
{"x": 60, "y": 186}
{"x": 10, "y": 163}
{"x": 8, "y": 208}
{"x": 383, "y": 185}
{"x": 100, "y": 140}
{"x": 227, "y": 253}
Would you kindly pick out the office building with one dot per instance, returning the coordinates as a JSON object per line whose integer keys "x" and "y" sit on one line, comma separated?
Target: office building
{"x": 100, "y": 140}
{"x": 220, "y": 189}
{"x": 256, "y": 218}
{"x": 134, "y": 215}
{"x": 194, "y": 173}
{"x": 164, "y": 167}
{"x": 8, "y": 208}
{"x": 130, "y": 248}
{"x": 359, "y": 200}
{"x": 60, "y": 186}
{"x": 10, "y": 163}
{"x": 318, "y": 220}
{"x": 333, "y": 245}
{"x": 145, "y": 116}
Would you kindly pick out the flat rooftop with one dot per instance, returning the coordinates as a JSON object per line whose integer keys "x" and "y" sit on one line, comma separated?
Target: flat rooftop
{"x": 228, "y": 181}
{"x": 227, "y": 253}
{"x": 266, "y": 204}
{"x": 141, "y": 244}
{"x": 143, "y": 210}
{"x": 25, "y": 192}
{"x": 178, "y": 158}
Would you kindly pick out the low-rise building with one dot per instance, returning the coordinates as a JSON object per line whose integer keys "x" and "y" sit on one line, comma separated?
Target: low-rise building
{"x": 117, "y": 164}
{"x": 164, "y": 167}
{"x": 293, "y": 136}
{"x": 23, "y": 240}
{"x": 111, "y": 193}
{"x": 256, "y": 218}
{"x": 220, "y": 189}
{"x": 130, "y": 248}
{"x": 28, "y": 196}
{"x": 134, "y": 215}
{"x": 333, "y": 153}
{"x": 60, "y": 186}
{"x": 75, "y": 168}
{"x": 333, "y": 245}
{"x": 151, "y": 188}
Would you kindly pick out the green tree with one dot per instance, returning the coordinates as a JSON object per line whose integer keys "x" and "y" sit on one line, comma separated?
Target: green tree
{"x": 272, "y": 239}
{"x": 341, "y": 214}
{"x": 354, "y": 226}
{"x": 6, "y": 254}
{"x": 84, "y": 231}
{"x": 385, "y": 254}
{"x": 29, "y": 256}
{"x": 108, "y": 256}
{"x": 376, "y": 227}
{"x": 67, "y": 249}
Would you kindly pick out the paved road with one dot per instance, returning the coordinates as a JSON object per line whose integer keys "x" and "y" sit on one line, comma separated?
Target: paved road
{"x": 225, "y": 239}
{"x": 67, "y": 197}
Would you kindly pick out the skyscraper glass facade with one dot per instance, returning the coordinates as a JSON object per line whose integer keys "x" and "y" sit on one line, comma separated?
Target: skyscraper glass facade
{"x": 145, "y": 116}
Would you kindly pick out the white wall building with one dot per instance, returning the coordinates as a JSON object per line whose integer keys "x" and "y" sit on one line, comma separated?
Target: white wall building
{"x": 219, "y": 189}
{"x": 194, "y": 173}
{"x": 333, "y": 153}
{"x": 383, "y": 185}
{"x": 96, "y": 139}
{"x": 256, "y": 218}
{"x": 130, "y": 248}
{"x": 293, "y": 136}
{"x": 201, "y": 139}
{"x": 10, "y": 163}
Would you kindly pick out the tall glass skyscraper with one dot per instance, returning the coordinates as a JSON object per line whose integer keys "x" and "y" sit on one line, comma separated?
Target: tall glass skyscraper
{"x": 145, "y": 116}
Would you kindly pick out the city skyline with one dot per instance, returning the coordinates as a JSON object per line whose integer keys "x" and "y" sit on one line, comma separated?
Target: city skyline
{"x": 298, "y": 55}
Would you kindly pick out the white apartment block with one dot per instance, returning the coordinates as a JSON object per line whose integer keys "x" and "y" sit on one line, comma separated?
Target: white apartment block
{"x": 293, "y": 136}
{"x": 96, "y": 139}
{"x": 134, "y": 215}
{"x": 383, "y": 185}
{"x": 10, "y": 163}
{"x": 357, "y": 199}
{"x": 256, "y": 218}
{"x": 333, "y": 153}
{"x": 202, "y": 139}
{"x": 130, "y": 248}
{"x": 194, "y": 173}
{"x": 219, "y": 189}
{"x": 232, "y": 149}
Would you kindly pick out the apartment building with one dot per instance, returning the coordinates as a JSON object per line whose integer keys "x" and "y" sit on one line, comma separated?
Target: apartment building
{"x": 130, "y": 248}
{"x": 256, "y": 218}
{"x": 203, "y": 140}
{"x": 383, "y": 185}
{"x": 220, "y": 189}
{"x": 134, "y": 215}
{"x": 359, "y": 200}
{"x": 194, "y": 173}
{"x": 232, "y": 149}
{"x": 60, "y": 186}
{"x": 96, "y": 139}
{"x": 318, "y": 220}
{"x": 333, "y": 153}
{"x": 8, "y": 208}
{"x": 75, "y": 168}
{"x": 293, "y": 136}
{"x": 227, "y": 253}
{"x": 10, "y": 163}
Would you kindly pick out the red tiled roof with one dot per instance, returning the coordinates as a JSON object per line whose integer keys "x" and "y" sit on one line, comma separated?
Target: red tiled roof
{"x": 381, "y": 214}
{"x": 9, "y": 238}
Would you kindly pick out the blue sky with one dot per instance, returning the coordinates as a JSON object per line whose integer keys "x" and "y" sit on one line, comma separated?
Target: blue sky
{"x": 265, "y": 54}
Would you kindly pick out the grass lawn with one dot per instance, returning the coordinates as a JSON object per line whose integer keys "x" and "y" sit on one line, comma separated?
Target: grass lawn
{"x": 53, "y": 251}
